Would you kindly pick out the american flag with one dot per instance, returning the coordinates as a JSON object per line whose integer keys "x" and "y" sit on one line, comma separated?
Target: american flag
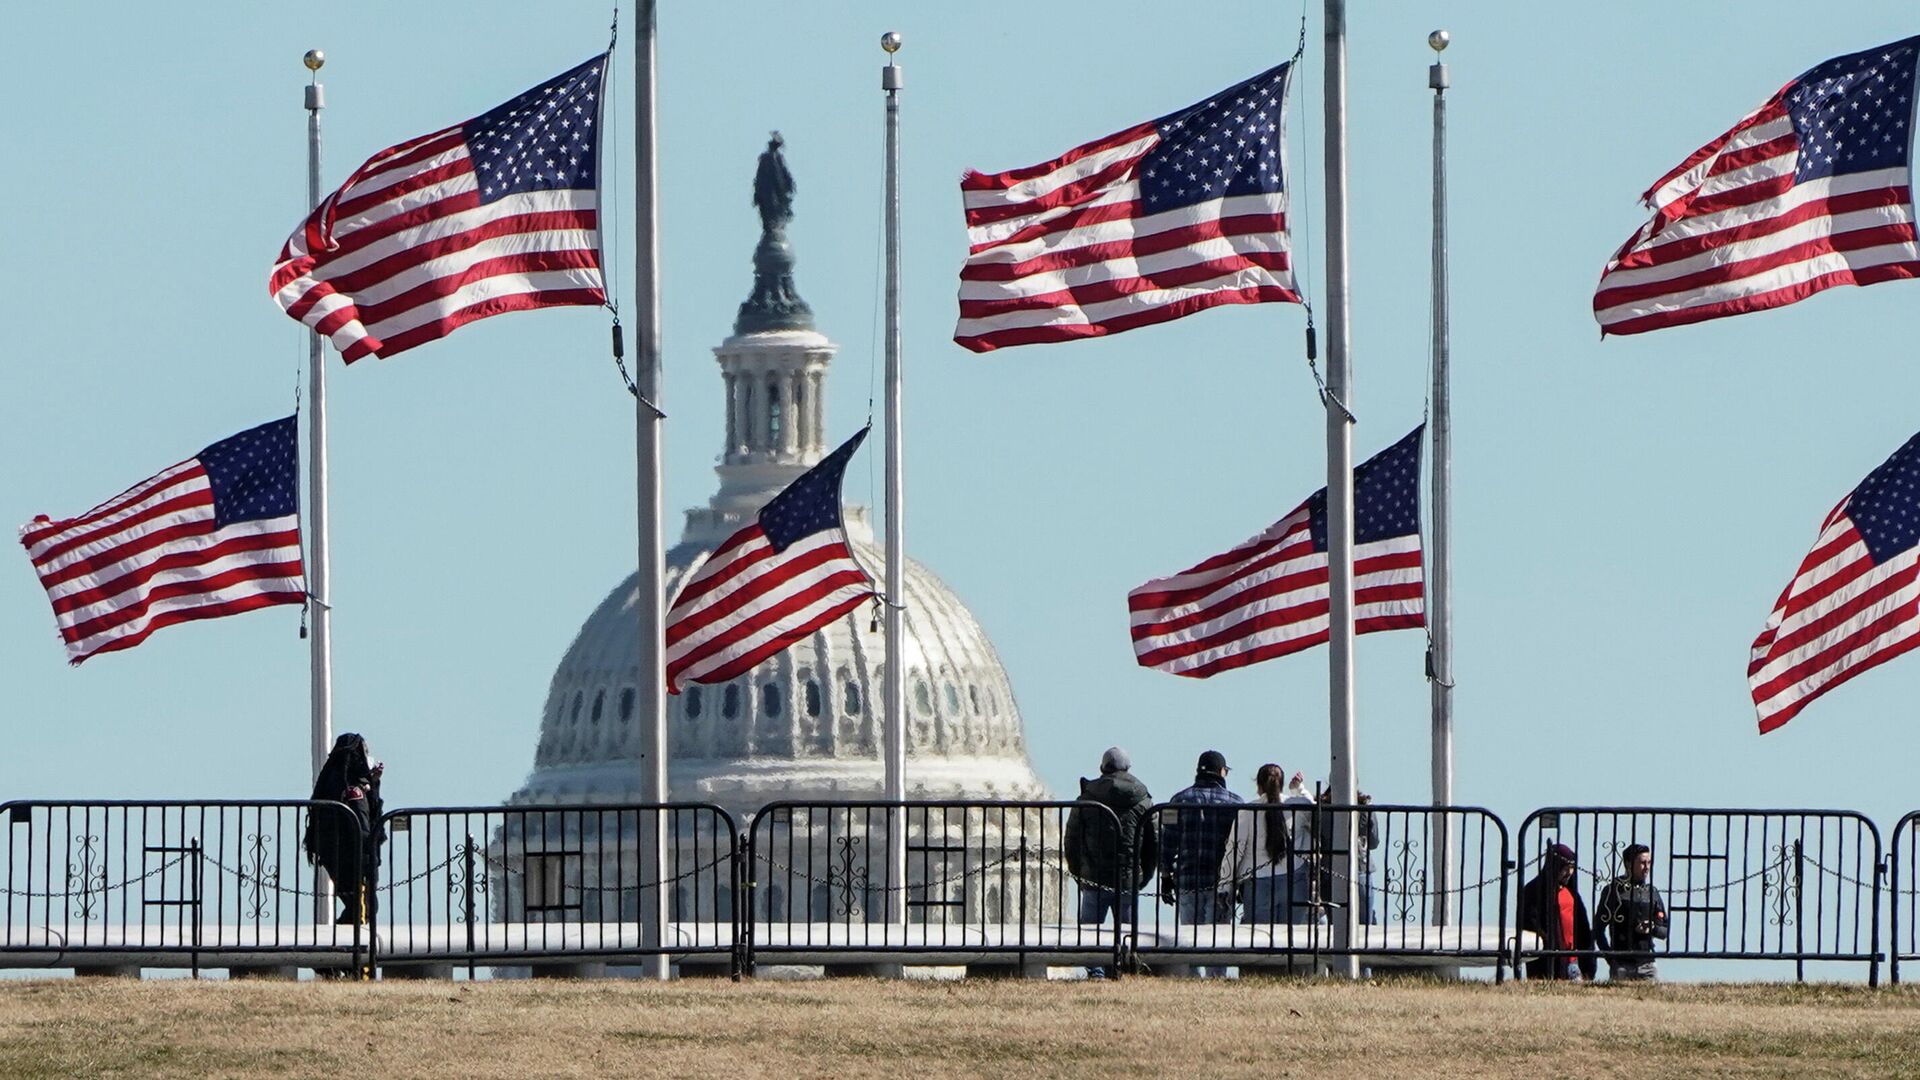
{"x": 1811, "y": 190}
{"x": 215, "y": 535}
{"x": 1158, "y": 221}
{"x": 770, "y": 584}
{"x": 1855, "y": 601}
{"x": 1269, "y": 596}
{"x": 498, "y": 214}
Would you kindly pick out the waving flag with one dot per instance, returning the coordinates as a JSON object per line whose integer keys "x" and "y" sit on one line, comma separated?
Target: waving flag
{"x": 1813, "y": 189}
{"x": 498, "y": 214}
{"x": 1161, "y": 220}
{"x": 1269, "y": 596}
{"x": 215, "y": 535}
{"x": 770, "y": 584}
{"x": 1855, "y": 601}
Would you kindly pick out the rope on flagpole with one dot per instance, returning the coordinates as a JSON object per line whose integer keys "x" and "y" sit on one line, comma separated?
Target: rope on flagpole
{"x": 1303, "y": 282}
{"x": 610, "y": 177}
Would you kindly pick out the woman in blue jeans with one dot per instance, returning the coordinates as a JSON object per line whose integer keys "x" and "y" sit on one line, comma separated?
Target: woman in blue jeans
{"x": 1262, "y": 863}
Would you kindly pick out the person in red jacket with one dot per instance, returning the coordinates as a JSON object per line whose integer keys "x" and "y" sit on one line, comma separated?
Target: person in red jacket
{"x": 1550, "y": 906}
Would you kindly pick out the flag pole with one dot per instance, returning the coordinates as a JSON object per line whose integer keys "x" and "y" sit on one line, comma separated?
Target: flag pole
{"x": 651, "y": 578}
{"x": 895, "y": 686}
{"x": 319, "y": 568}
{"x": 1339, "y": 488}
{"x": 1440, "y": 579}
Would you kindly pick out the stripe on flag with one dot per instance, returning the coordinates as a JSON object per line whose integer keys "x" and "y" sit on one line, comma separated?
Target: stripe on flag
{"x": 770, "y": 584}
{"x": 1270, "y": 596}
{"x": 215, "y": 535}
{"x": 498, "y": 214}
{"x": 1155, "y": 222}
{"x": 1855, "y": 601}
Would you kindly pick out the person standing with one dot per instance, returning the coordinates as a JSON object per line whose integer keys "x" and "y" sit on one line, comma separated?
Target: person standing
{"x": 1551, "y": 907}
{"x": 1630, "y": 917}
{"x": 1326, "y": 846}
{"x": 1193, "y": 841}
{"x": 349, "y": 849}
{"x": 1111, "y": 856}
{"x": 1260, "y": 859}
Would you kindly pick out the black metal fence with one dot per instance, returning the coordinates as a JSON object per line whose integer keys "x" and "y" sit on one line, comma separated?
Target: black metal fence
{"x": 1738, "y": 884}
{"x": 126, "y": 884}
{"x": 1262, "y": 885}
{"x": 1903, "y": 875}
{"x": 980, "y": 879}
{"x": 523, "y": 884}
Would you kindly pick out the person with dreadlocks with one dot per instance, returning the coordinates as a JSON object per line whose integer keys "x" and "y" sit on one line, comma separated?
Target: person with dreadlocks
{"x": 349, "y": 848}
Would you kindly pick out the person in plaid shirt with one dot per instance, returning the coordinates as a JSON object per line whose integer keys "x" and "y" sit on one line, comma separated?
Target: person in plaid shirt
{"x": 1192, "y": 840}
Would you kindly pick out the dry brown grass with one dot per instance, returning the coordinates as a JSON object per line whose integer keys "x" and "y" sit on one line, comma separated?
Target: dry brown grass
{"x": 897, "y": 1030}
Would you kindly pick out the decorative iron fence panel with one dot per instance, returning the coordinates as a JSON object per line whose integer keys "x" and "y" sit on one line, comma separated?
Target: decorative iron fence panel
{"x": 520, "y": 884}
{"x": 1739, "y": 884}
{"x": 1259, "y": 885}
{"x": 981, "y": 879}
{"x": 171, "y": 883}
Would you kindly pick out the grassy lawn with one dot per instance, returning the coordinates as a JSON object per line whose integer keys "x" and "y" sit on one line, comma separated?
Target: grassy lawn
{"x": 897, "y": 1030}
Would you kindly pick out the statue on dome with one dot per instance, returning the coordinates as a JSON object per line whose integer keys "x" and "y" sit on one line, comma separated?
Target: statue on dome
{"x": 775, "y": 304}
{"x": 773, "y": 187}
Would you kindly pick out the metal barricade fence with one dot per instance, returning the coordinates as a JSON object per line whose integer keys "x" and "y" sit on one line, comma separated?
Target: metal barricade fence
{"x": 1903, "y": 927}
{"x": 526, "y": 884}
{"x": 175, "y": 883}
{"x": 1257, "y": 885}
{"x": 982, "y": 879}
{"x": 1738, "y": 884}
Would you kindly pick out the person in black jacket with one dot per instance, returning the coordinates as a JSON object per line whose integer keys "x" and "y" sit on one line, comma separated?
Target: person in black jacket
{"x": 1550, "y": 906}
{"x": 1111, "y": 856}
{"x": 349, "y": 847}
{"x": 1112, "y": 865}
{"x": 1630, "y": 917}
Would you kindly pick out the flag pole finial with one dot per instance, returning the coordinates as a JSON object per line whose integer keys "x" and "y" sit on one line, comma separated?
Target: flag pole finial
{"x": 315, "y": 60}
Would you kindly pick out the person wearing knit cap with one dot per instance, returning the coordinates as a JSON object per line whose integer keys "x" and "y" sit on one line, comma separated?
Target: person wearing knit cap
{"x": 1551, "y": 907}
{"x": 1112, "y": 856}
{"x": 1193, "y": 841}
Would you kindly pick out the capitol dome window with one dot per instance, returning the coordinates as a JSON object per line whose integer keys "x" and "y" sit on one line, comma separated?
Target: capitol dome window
{"x": 626, "y": 705}
{"x": 814, "y": 704}
{"x": 973, "y": 695}
{"x": 953, "y": 699}
{"x": 853, "y": 698}
{"x": 693, "y": 703}
{"x": 730, "y": 701}
{"x": 922, "y": 697}
{"x": 599, "y": 705}
{"x": 773, "y": 414}
{"x": 578, "y": 698}
{"x": 770, "y": 699}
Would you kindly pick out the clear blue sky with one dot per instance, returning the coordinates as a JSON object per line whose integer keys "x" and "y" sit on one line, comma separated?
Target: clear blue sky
{"x": 1627, "y": 512}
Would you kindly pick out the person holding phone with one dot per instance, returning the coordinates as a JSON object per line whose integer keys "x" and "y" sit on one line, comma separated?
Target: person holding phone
{"x": 349, "y": 848}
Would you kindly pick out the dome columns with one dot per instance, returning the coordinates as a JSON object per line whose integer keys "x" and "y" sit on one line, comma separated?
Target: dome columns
{"x": 775, "y": 412}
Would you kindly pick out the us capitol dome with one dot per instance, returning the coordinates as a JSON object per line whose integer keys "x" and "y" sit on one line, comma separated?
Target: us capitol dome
{"x": 805, "y": 724}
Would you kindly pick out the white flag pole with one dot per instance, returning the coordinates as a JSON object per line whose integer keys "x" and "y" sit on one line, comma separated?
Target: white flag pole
{"x": 651, "y": 579}
{"x": 1339, "y": 488}
{"x": 319, "y": 568}
{"x": 895, "y": 686}
{"x": 1440, "y": 577}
